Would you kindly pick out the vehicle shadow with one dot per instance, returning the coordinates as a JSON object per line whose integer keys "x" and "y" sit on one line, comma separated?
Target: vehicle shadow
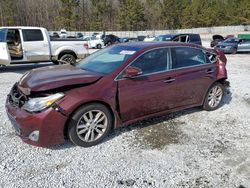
{"x": 134, "y": 126}
{"x": 146, "y": 123}
{"x": 21, "y": 69}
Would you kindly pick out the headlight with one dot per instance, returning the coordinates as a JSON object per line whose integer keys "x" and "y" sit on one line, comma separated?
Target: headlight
{"x": 40, "y": 103}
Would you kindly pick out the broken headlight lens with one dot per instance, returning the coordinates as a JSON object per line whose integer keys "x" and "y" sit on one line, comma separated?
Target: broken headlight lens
{"x": 41, "y": 103}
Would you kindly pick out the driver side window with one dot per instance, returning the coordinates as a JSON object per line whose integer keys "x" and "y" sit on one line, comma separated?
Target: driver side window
{"x": 156, "y": 60}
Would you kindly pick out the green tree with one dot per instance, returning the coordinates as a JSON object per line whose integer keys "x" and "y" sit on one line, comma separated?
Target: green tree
{"x": 171, "y": 13}
{"x": 152, "y": 9}
{"x": 131, "y": 15}
{"x": 100, "y": 13}
{"x": 243, "y": 12}
{"x": 67, "y": 17}
{"x": 7, "y": 12}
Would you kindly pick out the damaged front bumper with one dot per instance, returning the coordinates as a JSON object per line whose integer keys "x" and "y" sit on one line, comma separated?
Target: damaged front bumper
{"x": 40, "y": 129}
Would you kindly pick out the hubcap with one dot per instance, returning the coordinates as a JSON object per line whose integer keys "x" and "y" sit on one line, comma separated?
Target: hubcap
{"x": 68, "y": 59}
{"x": 92, "y": 125}
{"x": 215, "y": 96}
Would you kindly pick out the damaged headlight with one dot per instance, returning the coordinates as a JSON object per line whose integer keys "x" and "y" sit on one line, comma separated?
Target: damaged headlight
{"x": 40, "y": 103}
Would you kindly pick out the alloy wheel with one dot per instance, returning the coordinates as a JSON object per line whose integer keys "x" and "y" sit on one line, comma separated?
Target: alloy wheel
{"x": 92, "y": 125}
{"x": 215, "y": 96}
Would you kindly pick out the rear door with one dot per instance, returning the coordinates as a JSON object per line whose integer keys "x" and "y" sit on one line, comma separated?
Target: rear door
{"x": 35, "y": 45}
{"x": 193, "y": 74}
{"x": 4, "y": 52}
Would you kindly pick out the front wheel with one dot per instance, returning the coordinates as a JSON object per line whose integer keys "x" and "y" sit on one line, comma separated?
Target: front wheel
{"x": 90, "y": 125}
{"x": 214, "y": 97}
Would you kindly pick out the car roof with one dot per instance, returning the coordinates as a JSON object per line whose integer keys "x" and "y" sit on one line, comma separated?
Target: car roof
{"x": 149, "y": 45}
{"x": 21, "y": 27}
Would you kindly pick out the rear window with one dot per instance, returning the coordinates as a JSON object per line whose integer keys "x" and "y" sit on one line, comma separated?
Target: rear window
{"x": 195, "y": 38}
{"x": 2, "y": 34}
{"x": 32, "y": 35}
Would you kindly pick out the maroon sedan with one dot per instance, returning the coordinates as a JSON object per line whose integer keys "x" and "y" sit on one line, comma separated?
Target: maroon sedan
{"x": 113, "y": 87}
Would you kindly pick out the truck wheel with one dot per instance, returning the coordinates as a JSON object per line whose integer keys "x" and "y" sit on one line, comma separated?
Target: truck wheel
{"x": 214, "y": 97}
{"x": 67, "y": 59}
{"x": 89, "y": 125}
{"x": 98, "y": 46}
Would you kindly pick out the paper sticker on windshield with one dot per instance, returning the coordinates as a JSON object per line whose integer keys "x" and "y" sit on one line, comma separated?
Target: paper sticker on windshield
{"x": 127, "y": 52}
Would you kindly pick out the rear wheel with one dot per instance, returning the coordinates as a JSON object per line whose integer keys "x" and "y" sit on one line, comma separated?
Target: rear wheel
{"x": 90, "y": 125}
{"x": 214, "y": 97}
{"x": 67, "y": 59}
{"x": 99, "y": 46}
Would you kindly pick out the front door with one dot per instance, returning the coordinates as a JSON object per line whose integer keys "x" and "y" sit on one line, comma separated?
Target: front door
{"x": 244, "y": 46}
{"x": 4, "y": 54}
{"x": 146, "y": 93}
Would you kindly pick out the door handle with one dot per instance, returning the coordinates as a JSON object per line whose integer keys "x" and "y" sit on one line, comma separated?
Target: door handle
{"x": 169, "y": 80}
{"x": 210, "y": 71}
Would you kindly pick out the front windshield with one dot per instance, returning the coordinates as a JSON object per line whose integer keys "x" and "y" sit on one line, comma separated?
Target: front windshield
{"x": 107, "y": 60}
{"x": 163, "y": 38}
{"x": 2, "y": 34}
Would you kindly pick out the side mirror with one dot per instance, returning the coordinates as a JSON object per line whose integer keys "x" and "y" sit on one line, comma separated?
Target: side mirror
{"x": 131, "y": 72}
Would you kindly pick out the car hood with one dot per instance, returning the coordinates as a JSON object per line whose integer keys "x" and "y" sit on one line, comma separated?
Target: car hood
{"x": 53, "y": 77}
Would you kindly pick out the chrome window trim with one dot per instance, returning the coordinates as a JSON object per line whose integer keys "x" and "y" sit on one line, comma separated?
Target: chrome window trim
{"x": 156, "y": 48}
{"x": 170, "y": 62}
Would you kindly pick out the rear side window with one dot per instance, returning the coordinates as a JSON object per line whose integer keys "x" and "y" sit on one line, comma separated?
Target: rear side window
{"x": 32, "y": 35}
{"x": 186, "y": 57}
{"x": 153, "y": 61}
{"x": 195, "y": 38}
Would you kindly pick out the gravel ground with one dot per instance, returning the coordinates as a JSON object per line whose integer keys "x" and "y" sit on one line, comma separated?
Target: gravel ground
{"x": 191, "y": 148}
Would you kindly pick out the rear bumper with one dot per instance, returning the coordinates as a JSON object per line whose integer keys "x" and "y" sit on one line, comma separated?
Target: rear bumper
{"x": 49, "y": 124}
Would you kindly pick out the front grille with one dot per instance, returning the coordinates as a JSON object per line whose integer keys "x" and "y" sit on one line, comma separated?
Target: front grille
{"x": 16, "y": 97}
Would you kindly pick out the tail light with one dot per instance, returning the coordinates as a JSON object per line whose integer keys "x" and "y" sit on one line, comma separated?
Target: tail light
{"x": 221, "y": 57}
{"x": 86, "y": 45}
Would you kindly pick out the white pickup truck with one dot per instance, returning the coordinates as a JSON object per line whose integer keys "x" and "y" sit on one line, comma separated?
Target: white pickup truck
{"x": 33, "y": 44}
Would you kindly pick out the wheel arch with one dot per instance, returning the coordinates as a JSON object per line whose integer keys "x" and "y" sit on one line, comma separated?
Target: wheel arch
{"x": 108, "y": 106}
{"x": 221, "y": 81}
{"x": 64, "y": 52}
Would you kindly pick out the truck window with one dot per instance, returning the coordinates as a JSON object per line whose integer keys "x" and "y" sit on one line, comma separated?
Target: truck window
{"x": 32, "y": 35}
{"x": 2, "y": 34}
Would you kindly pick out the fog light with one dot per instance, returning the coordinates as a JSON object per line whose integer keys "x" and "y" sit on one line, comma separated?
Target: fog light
{"x": 34, "y": 136}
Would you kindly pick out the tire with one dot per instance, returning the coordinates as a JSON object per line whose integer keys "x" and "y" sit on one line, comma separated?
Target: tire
{"x": 214, "y": 97}
{"x": 67, "y": 59}
{"x": 109, "y": 43}
{"x": 84, "y": 131}
{"x": 234, "y": 51}
{"x": 98, "y": 46}
{"x": 55, "y": 62}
